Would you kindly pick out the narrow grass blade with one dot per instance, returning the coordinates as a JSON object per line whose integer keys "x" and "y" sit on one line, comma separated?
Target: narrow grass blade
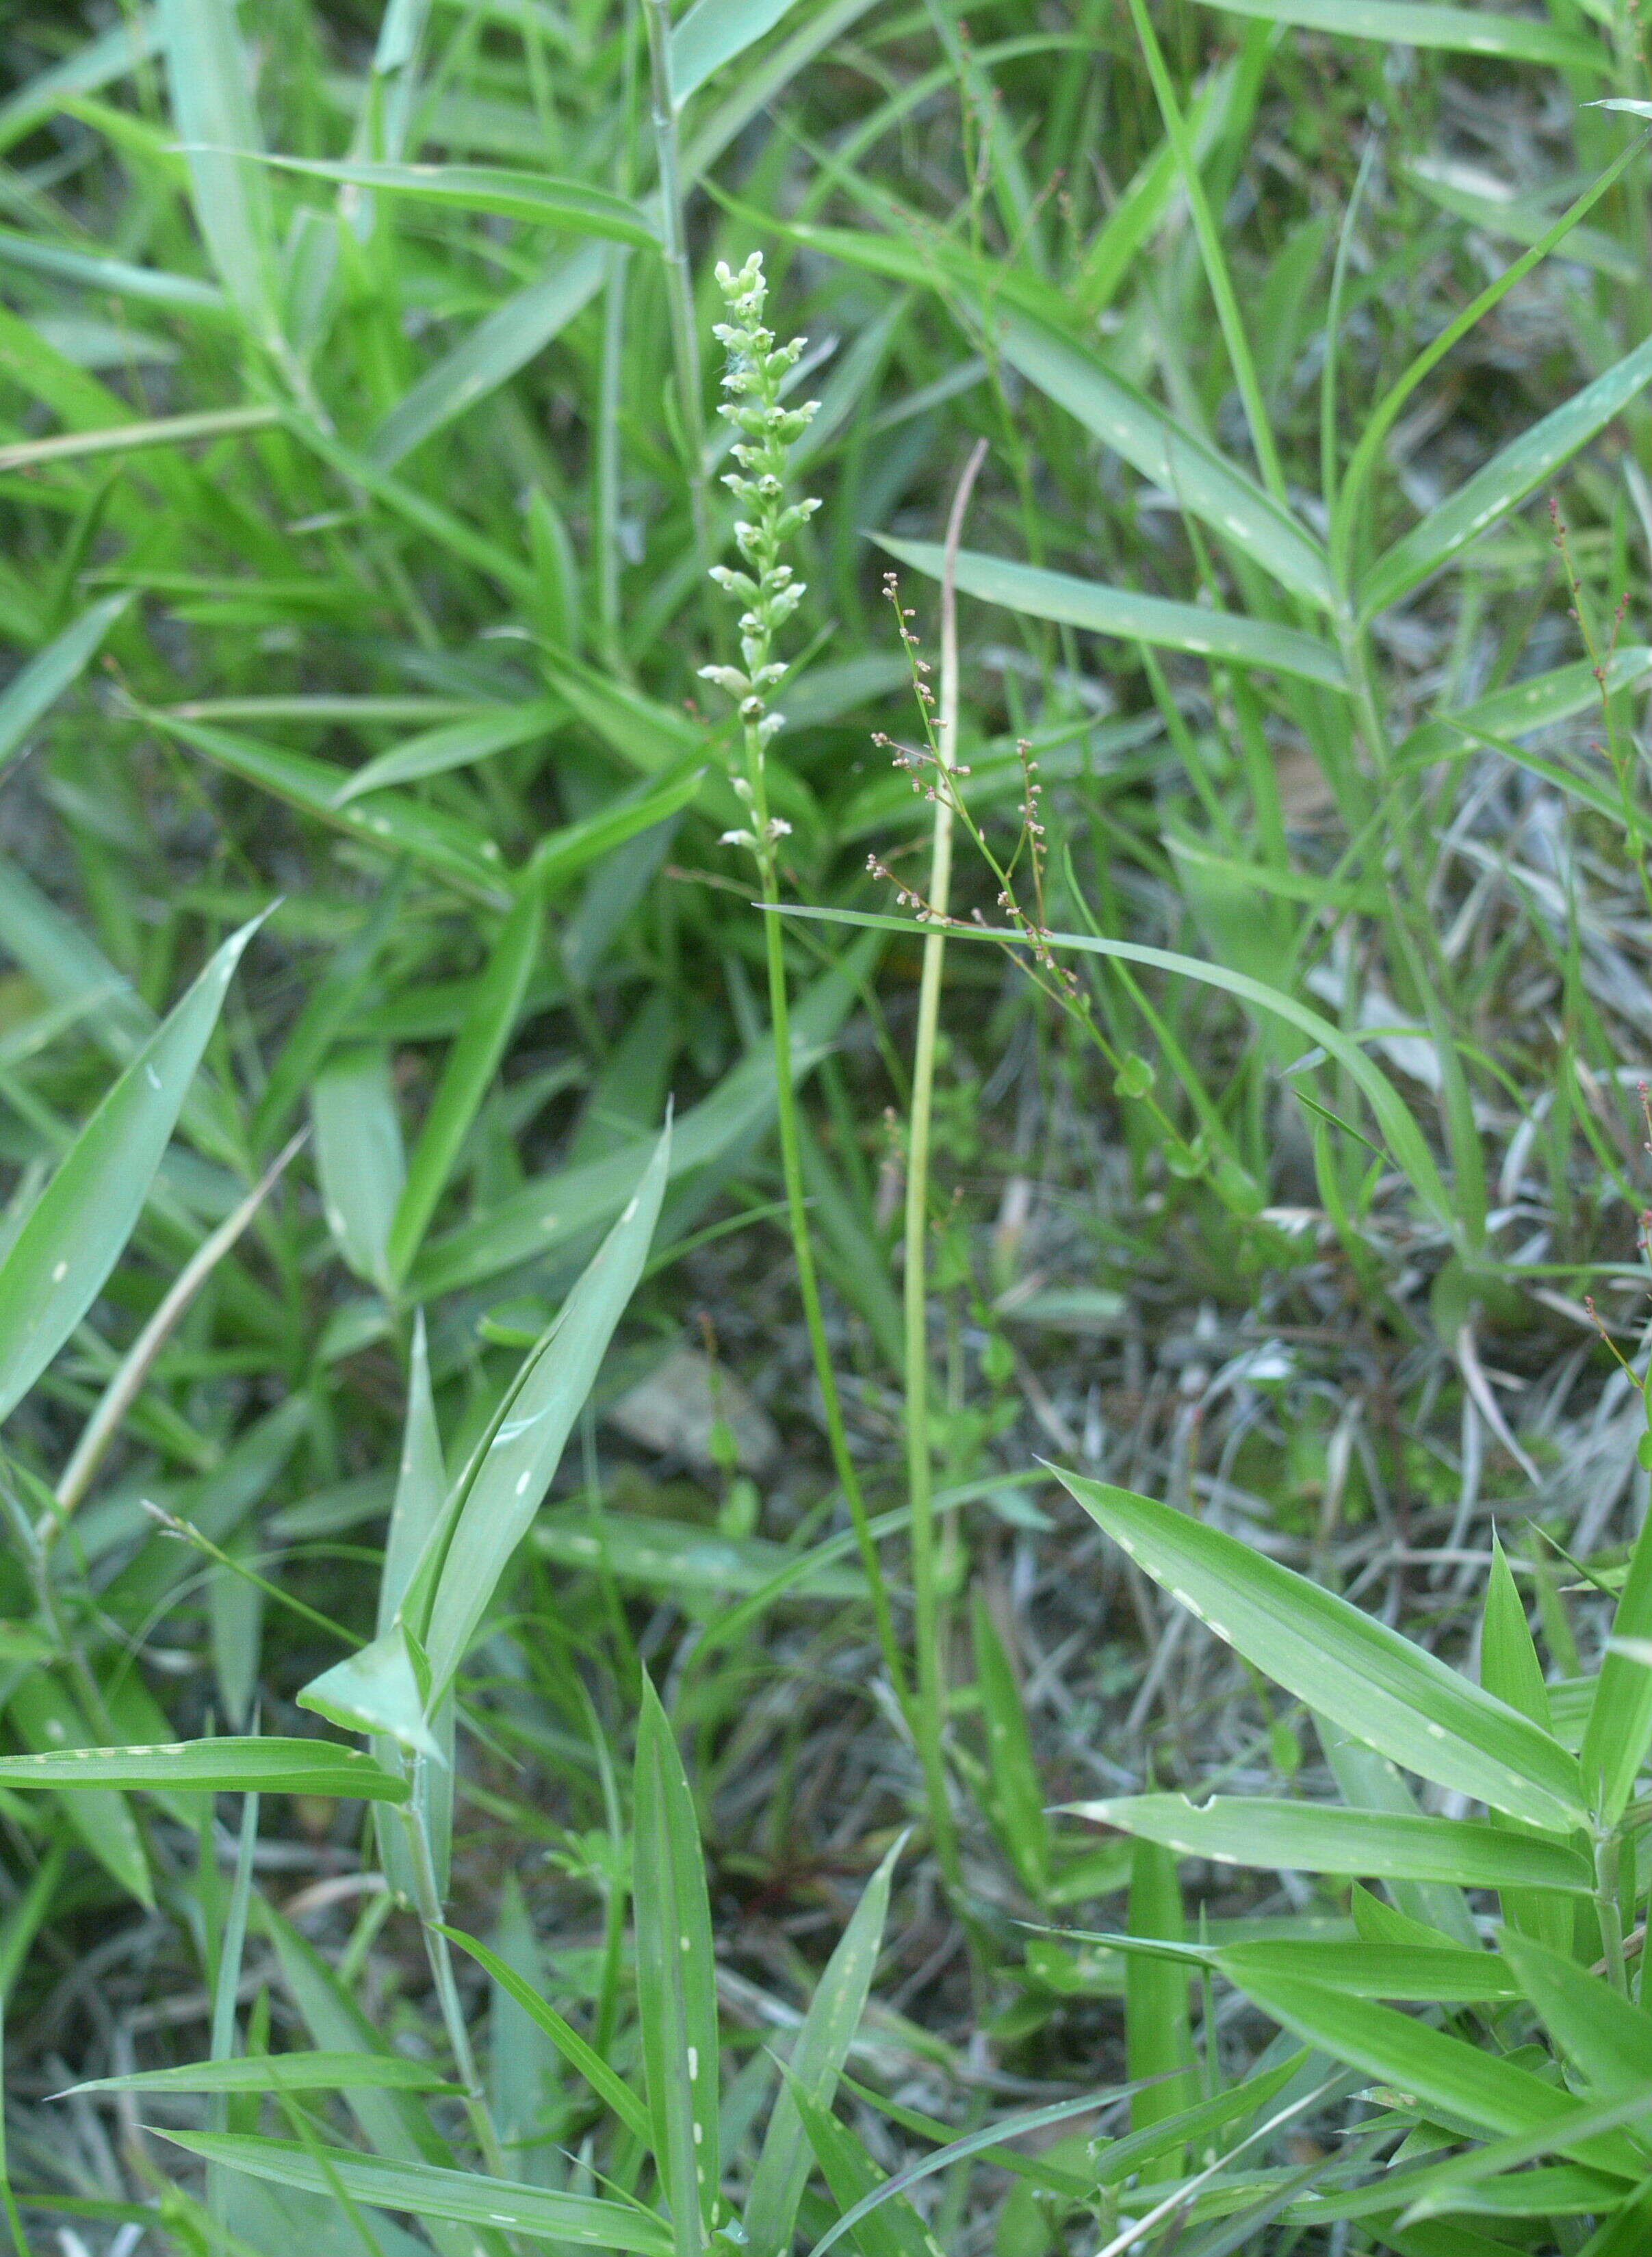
{"x": 579, "y": 2055}
{"x": 504, "y": 342}
{"x": 561, "y": 855}
{"x": 333, "y": 995}
{"x": 1158, "y": 2032}
{"x": 822, "y": 2047}
{"x": 1537, "y": 702}
{"x": 471, "y": 1064}
{"x": 1464, "y": 31}
{"x": 1200, "y": 479}
{"x": 1015, "y": 1792}
{"x": 73, "y": 1239}
{"x": 1438, "y": 1974}
{"x": 42, "y": 681}
{"x": 427, "y": 2190}
{"x": 1297, "y": 1836}
{"x": 516, "y": 1470}
{"x": 556, "y": 1208}
{"x": 1605, "y": 2036}
{"x": 1123, "y": 612}
{"x": 87, "y": 69}
{"x": 676, "y": 1983}
{"x": 359, "y": 1157}
{"x": 538, "y": 198}
{"x": 1462, "y": 2082}
{"x": 1517, "y": 470}
{"x": 46, "y": 1720}
{"x": 229, "y": 1766}
{"x": 1405, "y": 1140}
{"x": 1619, "y": 1727}
{"x": 1395, "y": 1696}
{"x": 714, "y": 33}
{"x": 209, "y": 77}
{"x": 453, "y": 745}
{"x": 393, "y": 822}
{"x": 278, "y": 2072}
{"x": 132, "y": 438}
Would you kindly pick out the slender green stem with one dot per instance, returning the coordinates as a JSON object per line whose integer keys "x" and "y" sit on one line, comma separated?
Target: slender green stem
{"x": 807, "y": 1278}
{"x": 605, "y": 467}
{"x": 429, "y": 1908}
{"x": 927, "y": 1617}
{"x": 679, "y": 280}
{"x": 1610, "y": 1912}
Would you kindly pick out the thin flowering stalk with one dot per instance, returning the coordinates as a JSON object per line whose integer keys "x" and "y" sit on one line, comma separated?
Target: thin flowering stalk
{"x": 927, "y": 1624}
{"x": 756, "y": 369}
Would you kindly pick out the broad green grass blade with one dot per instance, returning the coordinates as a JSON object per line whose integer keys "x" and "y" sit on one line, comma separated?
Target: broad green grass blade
{"x": 280, "y": 2072}
{"x": 712, "y": 33}
{"x": 211, "y": 79}
{"x": 536, "y": 197}
{"x": 1154, "y": 443}
{"x": 1509, "y": 1666}
{"x": 1512, "y": 474}
{"x": 579, "y": 2055}
{"x": 376, "y": 1692}
{"x": 469, "y": 1070}
{"x": 1537, "y": 702}
{"x": 516, "y": 1471}
{"x": 1015, "y": 1792}
{"x": 1438, "y": 1974}
{"x": 883, "y": 2221}
{"x": 359, "y": 1157}
{"x": 822, "y": 2047}
{"x": 504, "y": 342}
{"x": 1605, "y": 2036}
{"x": 1297, "y": 1836}
{"x": 454, "y": 745}
{"x": 228, "y": 1766}
{"x": 1462, "y": 2083}
{"x": 1405, "y": 1139}
{"x": 1394, "y": 1696}
{"x": 1465, "y": 30}
{"x": 1228, "y": 636}
{"x": 43, "y": 681}
{"x": 425, "y": 2190}
{"x": 1620, "y": 1728}
{"x": 61, "y": 1257}
{"x": 1158, "y": 2032}
{"x": 676, "y": 1983}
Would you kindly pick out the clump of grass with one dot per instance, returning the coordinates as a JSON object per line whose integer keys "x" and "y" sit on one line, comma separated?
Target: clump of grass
{"x": 1264, "y": 1171}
